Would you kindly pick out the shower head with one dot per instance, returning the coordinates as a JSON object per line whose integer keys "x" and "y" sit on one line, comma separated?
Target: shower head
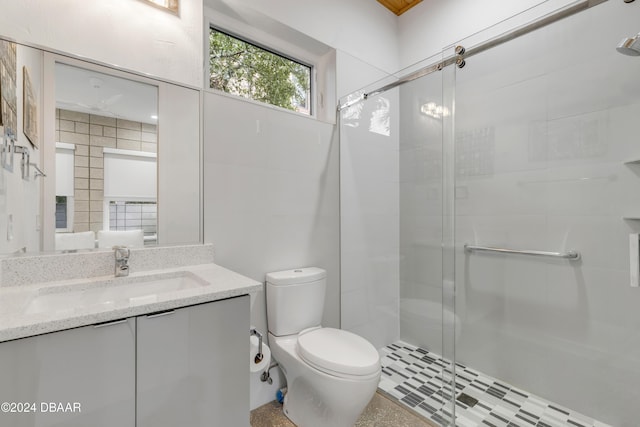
{"x": 630, "y": 46}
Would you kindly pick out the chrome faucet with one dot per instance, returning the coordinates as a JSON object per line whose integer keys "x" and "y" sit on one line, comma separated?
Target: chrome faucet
{"x": 122, "y": 260}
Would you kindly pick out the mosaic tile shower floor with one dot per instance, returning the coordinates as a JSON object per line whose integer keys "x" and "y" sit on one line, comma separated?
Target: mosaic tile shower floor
{"x": 413, "y": 376}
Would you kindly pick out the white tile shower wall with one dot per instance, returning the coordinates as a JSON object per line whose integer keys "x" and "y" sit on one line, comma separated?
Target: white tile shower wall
{"x": 156, "y": 42}
{"x": 369, "y": 195}
{"x": 557, "y": 181}
{"x": 271, "y": 197}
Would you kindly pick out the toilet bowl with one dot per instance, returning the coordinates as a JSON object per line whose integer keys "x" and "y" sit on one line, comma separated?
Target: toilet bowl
{"x": 331, "y": 374}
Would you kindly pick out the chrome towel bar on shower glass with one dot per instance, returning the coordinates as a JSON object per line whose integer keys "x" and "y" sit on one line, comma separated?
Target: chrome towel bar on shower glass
{"x": 570, "y": 255}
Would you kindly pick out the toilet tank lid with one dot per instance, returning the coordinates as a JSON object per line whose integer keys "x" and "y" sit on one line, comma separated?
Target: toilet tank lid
{"x": 296, "y": 276}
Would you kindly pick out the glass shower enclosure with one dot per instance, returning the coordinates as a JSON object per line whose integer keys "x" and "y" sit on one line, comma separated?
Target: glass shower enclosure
{"x": 489, "y": 213}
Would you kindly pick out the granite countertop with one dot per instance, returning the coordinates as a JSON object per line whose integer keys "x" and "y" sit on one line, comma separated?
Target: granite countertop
{"x": 21, "y": 317}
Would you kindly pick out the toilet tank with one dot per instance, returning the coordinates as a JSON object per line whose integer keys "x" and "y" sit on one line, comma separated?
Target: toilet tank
{"x": 295, "y": 299}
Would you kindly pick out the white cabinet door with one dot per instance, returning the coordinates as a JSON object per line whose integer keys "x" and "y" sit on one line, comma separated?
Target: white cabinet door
{"x": 192, "y": 367}
{"x": 93, "y": 367}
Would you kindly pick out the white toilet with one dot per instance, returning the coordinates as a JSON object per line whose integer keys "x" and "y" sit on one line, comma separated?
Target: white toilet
{"x": 331, "y": 374}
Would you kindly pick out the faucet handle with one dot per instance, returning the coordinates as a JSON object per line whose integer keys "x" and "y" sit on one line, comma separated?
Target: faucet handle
{"x": 121, "y": 252}
{"x": 122, "y": 260}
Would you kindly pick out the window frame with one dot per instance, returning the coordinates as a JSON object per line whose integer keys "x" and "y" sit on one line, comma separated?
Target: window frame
{"x": 275, "y": 51}
{"x": 70, "y": 202}
{"x": 150, "y": 240}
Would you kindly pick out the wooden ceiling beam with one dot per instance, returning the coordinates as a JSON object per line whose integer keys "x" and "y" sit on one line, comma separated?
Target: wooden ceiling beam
{"x": 399, "y": 6}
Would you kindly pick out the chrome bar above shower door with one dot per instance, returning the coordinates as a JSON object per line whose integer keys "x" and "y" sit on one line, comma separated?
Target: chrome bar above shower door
{"x": 570, "y": 255}
{"x": 533, "y": 26}
{"x": 462, "y": 53}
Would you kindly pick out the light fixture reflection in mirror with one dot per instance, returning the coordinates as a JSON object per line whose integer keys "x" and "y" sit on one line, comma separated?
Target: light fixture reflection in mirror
{"x": 170, "y": 5}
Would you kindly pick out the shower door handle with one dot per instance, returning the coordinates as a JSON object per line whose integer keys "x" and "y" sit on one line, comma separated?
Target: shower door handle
{"x": 570, "y": 255}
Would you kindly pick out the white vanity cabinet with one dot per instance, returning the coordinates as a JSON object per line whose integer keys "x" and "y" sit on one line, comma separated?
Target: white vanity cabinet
{"x": 192, "y": 366}
{"x": 184, "y": 367}
{"x": 91, "y": 368}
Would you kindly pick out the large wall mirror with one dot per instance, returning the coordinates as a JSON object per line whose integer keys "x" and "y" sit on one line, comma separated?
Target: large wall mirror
{"x": 112, "y": 158}
{"x": 106, "y": 140}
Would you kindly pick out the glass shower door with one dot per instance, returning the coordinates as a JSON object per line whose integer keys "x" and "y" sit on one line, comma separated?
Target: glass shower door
{"x": 544, "y": 149}
{"x": 391, "y": 185}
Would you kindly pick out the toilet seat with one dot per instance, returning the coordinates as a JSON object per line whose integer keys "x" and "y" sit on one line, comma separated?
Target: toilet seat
{"x": 338, "y": 352}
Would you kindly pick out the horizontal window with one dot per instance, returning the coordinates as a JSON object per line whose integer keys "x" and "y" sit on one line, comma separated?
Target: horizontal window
{"x": 244, "y": 69}
{"x": 128, "y": 215}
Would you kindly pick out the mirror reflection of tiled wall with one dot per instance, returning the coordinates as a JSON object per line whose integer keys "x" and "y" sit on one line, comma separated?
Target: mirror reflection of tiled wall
{"x": 91, "y": 133}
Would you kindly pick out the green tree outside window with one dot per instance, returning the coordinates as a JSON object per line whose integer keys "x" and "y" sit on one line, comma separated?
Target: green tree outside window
{"x": 246, "y": 70}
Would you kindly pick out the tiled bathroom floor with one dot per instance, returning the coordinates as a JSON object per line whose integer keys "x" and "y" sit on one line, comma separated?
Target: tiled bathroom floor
{"x": 381, "y": 412}
{"x": 413, "y": 376}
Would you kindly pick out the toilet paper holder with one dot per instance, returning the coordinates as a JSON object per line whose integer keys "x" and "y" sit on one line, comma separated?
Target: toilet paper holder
{"x": 259, "y": 356}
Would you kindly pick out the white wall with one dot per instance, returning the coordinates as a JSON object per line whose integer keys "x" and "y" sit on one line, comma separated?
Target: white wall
{"x": 179, "y": 174}
{"x": 271, "y": 177}
{"x": 271, "y": 197}
{"x": 361, "y": 28}
{"x": 20, "y": 198}
{"x": 354, "y": 74}
{"x": 126, "y": 33}
{"x": 432, "y": 25}
{"x": 271, "y": 193}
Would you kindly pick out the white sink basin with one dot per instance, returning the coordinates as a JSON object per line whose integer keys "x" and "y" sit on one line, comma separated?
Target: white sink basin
{"x": 142, "y": 289}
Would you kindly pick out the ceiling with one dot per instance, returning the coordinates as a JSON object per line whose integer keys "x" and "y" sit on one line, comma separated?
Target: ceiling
{"x": 399, "y": 6}
{"x": 88, "y": 91}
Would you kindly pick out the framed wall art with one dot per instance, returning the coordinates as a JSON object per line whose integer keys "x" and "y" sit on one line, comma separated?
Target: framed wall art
{"x": 8, "y": 99}
{"x": 30, "y": 109}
